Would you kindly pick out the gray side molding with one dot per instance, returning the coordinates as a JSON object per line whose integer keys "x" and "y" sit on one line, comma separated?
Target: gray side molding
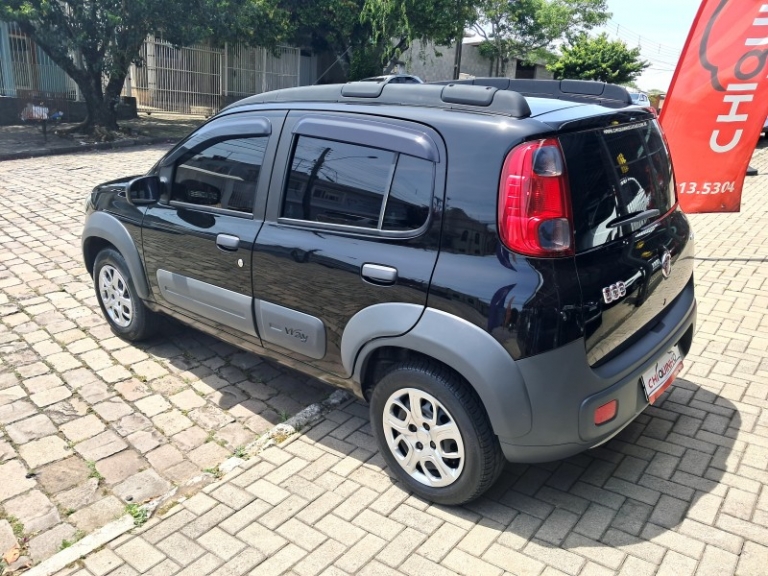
{"x": 217, "y": 304}
{"x": 107, "y": 227}
{"x": 478, "y": 357}
{"x": 387, "y": 319}
{"x": 290, "y": 329}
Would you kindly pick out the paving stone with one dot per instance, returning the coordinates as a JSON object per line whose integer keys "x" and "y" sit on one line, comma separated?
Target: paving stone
{"x": 86, "y": 492}
{"x": 34, "y": 510}
{"x": 7, "y": 538}
{"x": 146, "y": 440}
{"x": 131, "y": 423}
{"x": 120, "y": 466}
{"x": 180, "y": 549}
{"x": 102, "y": 562}
{"x": 32, "y": 428}
{"x": 63, "y": 412}
{"x": 48, "y": 543}
{"x": 189, "y": 439}
{"x": 171, "y": 422}
{"x": 152, "y": 405}
{"x": 141, "y": 487}
{"x": 101, "y": 446}
{"x": 112, "y": 409}
{"x": 97, "y": 514}
{"x": 208, "y": 455}
{"x": 132, "y": 389}
{"x": 48, "y": 397}
{"x": 140, "y": 554}
{"x": 43, "y": 451}
{"x": 82, "y": 428}
{"x": 15, "y": 411}
{"x": 63, "y": 474}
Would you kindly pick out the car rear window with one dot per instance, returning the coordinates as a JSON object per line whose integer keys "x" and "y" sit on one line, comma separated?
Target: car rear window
{"x": 614, "y": 172}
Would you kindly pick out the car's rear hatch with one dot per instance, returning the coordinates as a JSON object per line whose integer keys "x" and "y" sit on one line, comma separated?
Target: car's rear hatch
{"x": 631, "y": 242}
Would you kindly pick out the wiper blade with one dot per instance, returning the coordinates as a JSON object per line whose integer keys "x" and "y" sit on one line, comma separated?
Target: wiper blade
{"x": 633, "y": 217}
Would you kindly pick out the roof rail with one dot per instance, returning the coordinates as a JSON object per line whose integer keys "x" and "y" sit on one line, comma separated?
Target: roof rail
{"x": 451, "y": 95}
{"x": 584, "y": 91}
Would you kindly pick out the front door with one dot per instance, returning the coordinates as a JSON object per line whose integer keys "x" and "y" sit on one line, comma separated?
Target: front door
{"x": 198, "y": 239}
{"x": 353, "y": 220}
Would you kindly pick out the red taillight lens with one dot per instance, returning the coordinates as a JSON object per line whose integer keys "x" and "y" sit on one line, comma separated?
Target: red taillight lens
{"x": 534, "y": 204}
{"x": 606, "y": 412}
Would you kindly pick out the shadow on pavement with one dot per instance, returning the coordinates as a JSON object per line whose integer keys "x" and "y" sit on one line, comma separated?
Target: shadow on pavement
{"x": 663, "y": 472}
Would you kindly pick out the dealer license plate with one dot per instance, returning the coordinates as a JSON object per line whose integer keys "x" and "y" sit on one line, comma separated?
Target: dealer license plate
{"x": 661, "y": 374}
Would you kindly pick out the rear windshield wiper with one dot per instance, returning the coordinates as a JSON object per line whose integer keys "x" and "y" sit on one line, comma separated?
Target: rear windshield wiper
{"x": 633, "y": 217}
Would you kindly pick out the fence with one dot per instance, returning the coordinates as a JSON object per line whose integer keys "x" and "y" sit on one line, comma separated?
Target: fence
{"x": 198, "y": 79}
{"x": 201, "y": 79}
{"x": 26, "y": 71}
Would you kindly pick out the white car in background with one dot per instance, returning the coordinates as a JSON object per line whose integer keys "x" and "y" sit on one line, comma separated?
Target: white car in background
{"x": 640, "y": 98}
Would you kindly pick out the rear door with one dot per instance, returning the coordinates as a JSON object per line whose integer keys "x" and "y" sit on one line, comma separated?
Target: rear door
{"x": 633, "y": 254}
{"x": 353, "y": 220}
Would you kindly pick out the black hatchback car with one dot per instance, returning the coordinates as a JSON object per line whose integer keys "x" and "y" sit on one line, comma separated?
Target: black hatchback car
{"x": 500, "y": 268}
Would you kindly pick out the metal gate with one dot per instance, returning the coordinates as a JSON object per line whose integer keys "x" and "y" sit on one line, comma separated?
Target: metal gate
{"x": 200, "y": 79}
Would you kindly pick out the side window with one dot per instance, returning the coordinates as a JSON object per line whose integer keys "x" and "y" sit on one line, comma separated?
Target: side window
{"x": 347, "y": 184}
{"x": 224, "y": 175}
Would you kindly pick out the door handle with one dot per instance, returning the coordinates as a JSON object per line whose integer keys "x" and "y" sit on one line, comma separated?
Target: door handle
{"x": 228, "y": 242}
{"x": 379, "y": 274}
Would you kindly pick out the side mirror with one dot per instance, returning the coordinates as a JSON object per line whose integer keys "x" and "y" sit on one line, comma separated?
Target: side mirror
{"x": 144, "y": 190}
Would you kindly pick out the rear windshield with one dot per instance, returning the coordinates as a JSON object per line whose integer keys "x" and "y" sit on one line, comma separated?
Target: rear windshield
{"x": 614, "y": 172}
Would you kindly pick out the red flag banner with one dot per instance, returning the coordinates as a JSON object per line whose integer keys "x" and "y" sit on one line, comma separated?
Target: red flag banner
{"x": 717, "y": 103}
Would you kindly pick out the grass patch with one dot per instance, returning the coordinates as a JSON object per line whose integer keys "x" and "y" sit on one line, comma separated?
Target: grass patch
{"x": 241, "y": 452}
{"x": 284, "y": 415}
{"x": 79, "y": 535}
{"x": 215, "y": 472}
{"x": 92, "y": 472}
{"x": 139, "y": 513}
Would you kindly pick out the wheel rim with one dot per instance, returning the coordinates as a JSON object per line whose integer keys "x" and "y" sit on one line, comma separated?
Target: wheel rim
{"x": 423, "y": 437}
{"x": 115, "y": 296}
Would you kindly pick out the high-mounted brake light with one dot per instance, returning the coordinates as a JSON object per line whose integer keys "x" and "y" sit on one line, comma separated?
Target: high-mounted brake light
{"x": 534, "y": 203}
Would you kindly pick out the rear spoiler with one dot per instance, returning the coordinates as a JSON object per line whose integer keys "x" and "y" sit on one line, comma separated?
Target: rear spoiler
{"x": 583, "y": 91}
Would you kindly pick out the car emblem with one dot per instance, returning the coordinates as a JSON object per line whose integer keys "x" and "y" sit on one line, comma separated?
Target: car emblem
{"x": 614, "y": 292}
{"x": 666, "y": 264}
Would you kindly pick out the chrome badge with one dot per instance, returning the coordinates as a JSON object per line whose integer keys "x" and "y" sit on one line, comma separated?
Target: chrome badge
{"x": 614, "y": 292}
{"x": 666, "y": 264}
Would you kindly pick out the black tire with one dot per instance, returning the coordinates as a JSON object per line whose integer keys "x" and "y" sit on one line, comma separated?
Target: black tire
{"x": 141, "y": 323}
{"x": 483, "y": 459}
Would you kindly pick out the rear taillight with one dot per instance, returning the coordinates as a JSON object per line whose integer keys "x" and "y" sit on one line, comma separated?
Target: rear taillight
{"x": 534, "y": 203}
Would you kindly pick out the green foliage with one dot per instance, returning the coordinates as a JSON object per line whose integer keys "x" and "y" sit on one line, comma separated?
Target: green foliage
{"x": 440, "y": 21}
{"x": 529, "y": 29}
{"x": 92, "y": 472}
{"x": 95, "y": 41}
{"x": 139, "y": 513}
{"x": 599, "y": 59}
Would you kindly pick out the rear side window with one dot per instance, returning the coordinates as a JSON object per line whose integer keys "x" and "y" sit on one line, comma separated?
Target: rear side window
{"x": 612, "y": 173}
{"x": 351, "y": 185}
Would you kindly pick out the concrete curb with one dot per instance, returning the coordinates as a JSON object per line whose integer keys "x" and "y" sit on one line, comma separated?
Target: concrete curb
{"x": 95, "y": 540}
{"x": 276, "y": 435}
{"x": 128, "y": 143}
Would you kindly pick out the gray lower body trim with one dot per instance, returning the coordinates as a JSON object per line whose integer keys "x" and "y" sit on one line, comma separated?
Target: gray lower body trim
{"x": 220, "y": 305}
{"x": 291, "y": 329}
{"x": 107, "y": 227}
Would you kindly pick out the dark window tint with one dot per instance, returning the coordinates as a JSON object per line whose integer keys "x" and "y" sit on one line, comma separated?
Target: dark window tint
{"x": 613, "y": 173}
{"x": 338, "y": 183}
{"x": 224, "y": 175}
{"x": 409, "y": 199}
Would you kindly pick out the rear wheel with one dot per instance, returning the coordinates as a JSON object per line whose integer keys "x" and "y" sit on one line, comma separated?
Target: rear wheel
{"x": 434, "y": 433}
{"x": 125, "y": 312}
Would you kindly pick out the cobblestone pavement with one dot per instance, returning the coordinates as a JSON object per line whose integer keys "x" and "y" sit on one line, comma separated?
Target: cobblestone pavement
{"x": 87, "y": 421}
{"x": 681, "y": 491}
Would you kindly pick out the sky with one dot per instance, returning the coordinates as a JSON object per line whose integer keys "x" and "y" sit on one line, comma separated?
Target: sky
{"x": 659, "y": 28}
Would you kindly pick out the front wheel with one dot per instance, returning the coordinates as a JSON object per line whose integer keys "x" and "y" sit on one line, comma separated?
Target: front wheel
{"x": 434, "y": 433}
{"x": 127, "y": 315}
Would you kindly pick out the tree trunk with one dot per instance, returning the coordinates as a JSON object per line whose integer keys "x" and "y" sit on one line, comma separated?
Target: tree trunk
{"x": 401, "y": 47}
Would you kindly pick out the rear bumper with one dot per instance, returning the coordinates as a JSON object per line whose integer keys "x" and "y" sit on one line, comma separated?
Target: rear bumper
{"x": 564, "y": 390}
